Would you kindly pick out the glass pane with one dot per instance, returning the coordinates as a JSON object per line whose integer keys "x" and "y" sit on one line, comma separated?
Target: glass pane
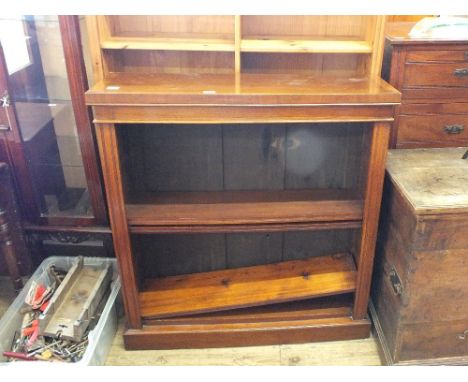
{"x": 41, "y": 95}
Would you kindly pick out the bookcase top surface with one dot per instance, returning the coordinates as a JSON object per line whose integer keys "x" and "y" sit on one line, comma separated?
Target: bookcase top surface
{"x": 247, "y": 89}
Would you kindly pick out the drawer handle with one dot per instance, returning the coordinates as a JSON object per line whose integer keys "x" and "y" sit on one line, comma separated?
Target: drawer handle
{"x": 454, "y": 129}
{"x": 461, "y": 72}
{"x": 463, "y": 335}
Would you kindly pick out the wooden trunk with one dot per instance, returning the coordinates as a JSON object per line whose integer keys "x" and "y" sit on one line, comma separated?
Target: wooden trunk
{"x": 420, "y": 285}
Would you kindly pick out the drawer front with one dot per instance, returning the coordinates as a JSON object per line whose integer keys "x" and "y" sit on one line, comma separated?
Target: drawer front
{"x": 434, "y": 340}
{"x": 445, "y": 130}
{"x": 436, "y": 75}
{"x": 438, "y": 55}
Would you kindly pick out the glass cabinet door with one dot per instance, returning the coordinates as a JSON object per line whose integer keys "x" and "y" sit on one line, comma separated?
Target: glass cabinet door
{"x": 39, "y": 92}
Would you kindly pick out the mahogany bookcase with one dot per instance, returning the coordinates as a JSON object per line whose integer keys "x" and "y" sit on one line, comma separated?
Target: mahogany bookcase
{"x": 243, "y": 203}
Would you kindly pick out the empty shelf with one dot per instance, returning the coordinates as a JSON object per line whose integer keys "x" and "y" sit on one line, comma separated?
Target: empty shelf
{"x": 178, "y": 44}
{"x": 249, "y": 286}
{"x": 243, "y": 207}
{"x": 305, "y": 46}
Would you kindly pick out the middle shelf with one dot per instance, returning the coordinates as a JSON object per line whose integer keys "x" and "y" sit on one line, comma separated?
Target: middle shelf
{"x": 243, "y": 207}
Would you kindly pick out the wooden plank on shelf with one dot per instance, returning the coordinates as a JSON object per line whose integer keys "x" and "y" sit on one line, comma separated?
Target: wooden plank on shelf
{"x": 305, "y": 46}
{"x": 248, "y": 286}
{"x": 243, "y": 207}
{"x": 171, "y": 43}
{"x": 316, "y": 308}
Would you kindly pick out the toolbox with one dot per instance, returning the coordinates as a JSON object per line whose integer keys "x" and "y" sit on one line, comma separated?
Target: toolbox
{"x": 100, "y": 337}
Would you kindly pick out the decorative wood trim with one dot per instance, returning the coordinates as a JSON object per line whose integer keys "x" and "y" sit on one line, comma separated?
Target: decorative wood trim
{"x": 258, "y": 334}
{"x": 242, "y": 114}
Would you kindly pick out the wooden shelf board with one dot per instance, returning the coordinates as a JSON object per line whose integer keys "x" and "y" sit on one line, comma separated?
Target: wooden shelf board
{"x": 243, "y": 207}
{"x": 248, "y": 286}
{"x": 223, "y": 228}
{"x": 316, "y": 308}
{"x": 173, "y": 43}
{"x": 241, "y": 89}
{"x": 305, "y": 46}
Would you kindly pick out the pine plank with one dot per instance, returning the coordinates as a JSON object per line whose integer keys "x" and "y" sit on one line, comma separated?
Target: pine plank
{"x": 249, "y": 286}
{"x": 305, "y": 46}
{"x": 173, "y": 43}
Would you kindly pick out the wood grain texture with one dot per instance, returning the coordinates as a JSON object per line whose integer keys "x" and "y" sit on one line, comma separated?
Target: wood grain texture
{"x": 432, "y": 184}
{"x": 427, "y": 253}
{"x": 179, "y": 44}
{"x": 108, "y": 149}
{"x": 316, "y": 308}
{"x": 305, "y": 46}
{"x": 134, "y": 88}
{"x": 231, "y": 335}
{"x": 282, "y": 227}
{"x": 243, "y": 207}
{"x": 424, "y": 70}
{"x": 373, "y": 195}
{"x": 353, "y": 41}
{"x": 218, "y": 114}
{"x": 250, "y": 286}
{"x": 432, "y": 130}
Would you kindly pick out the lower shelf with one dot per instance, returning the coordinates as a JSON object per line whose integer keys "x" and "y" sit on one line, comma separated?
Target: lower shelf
{"x": 325, "y": 319}
{"x": 248, "y": 286}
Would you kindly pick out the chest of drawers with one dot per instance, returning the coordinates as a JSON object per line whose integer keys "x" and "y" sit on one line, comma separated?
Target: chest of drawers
{"x": 432, "y": 75}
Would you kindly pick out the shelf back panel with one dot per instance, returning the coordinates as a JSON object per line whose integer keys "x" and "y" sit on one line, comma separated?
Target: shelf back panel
{"x": 305, "y": 27}
{"x": 177, "y": 254}
{"x": 188, "y": 158}
{"x": 172, "y": 26}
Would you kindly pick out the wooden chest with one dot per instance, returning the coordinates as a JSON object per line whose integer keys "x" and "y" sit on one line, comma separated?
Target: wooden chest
{"x": 432, "y": 75}
{"x": 420, "y": 286}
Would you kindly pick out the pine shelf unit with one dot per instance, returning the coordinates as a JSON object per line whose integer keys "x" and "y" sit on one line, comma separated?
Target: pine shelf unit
{"x": 243, "y": 196}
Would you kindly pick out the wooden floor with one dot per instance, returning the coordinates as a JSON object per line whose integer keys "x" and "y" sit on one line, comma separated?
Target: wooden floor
{"x": 356, "y": 352}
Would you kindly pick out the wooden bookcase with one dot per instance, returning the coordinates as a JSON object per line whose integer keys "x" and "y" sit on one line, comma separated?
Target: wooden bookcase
{"x": 243, "y": 158}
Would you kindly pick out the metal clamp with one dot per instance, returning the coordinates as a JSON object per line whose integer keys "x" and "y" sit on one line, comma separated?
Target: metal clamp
{"x": 463, "y": 72}
{"x": 454, "y": 129}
